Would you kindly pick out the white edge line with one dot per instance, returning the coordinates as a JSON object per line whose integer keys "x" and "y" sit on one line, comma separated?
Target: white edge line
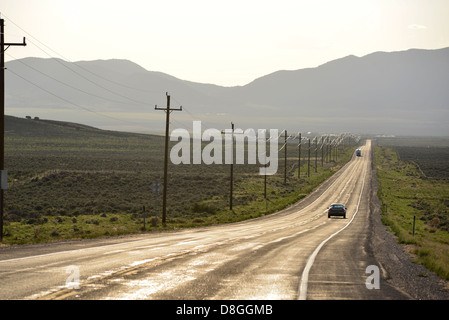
{"x": 305, "y": 274}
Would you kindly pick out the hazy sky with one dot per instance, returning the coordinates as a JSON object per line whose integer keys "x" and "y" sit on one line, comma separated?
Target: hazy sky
{"x": 224, "y": 42}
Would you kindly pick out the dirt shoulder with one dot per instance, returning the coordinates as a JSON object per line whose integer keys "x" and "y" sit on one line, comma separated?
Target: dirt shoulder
{"x": 396, "y": 263}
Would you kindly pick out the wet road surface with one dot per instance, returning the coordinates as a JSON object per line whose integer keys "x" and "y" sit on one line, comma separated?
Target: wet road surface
{"x": 297, "y": 253}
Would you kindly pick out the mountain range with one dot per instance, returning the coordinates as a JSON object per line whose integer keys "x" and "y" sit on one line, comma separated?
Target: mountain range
{"x": 399, "y": 93}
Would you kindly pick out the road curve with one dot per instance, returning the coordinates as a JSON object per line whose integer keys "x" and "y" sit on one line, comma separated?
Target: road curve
{"x": 297, "y": 253}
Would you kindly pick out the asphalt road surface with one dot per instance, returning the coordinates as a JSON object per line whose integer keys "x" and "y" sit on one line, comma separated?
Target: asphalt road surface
{"x": 298, "y": 253}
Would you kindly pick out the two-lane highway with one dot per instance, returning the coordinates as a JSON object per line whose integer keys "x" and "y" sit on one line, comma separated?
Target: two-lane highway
{"x": 298, "y": 253}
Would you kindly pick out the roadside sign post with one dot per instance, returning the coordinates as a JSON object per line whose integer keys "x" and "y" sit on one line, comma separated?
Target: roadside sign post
{"x": 156, "y": 186}
{"x": 144, "y": 229}
{"x": 414, "y": 220}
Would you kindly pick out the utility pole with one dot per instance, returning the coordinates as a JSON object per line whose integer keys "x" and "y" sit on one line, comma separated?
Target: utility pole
{"x": 285, "y": 157}
{"x": 308, "y": 162}
{"x": 316, "y": 154}
{"x": 322, "y": 151}
{"x": 167, "y": 125}
{"x": 265, "y": 183}
{"x": 232, "y": 169}
{"x": 265, "y": 179}
{"x": 231, "y": 184}
{"x": 299, "y": 156}
{"x": 2, "y": 112}
{"x": 336, "y": 149}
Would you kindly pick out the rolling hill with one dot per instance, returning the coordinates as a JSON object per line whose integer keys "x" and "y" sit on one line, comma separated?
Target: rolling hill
{"x": 402, "y": 93}
{"x": 16, "y": 127}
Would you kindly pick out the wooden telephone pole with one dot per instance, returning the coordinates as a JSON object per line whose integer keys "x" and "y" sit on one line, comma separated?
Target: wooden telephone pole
{"x": 299, "y": 156}
{"x": 308, "y": 161}
{"x": 2, "y": 114}
{"x": 167, "y": 125}
{"x": 285, "y": 157}
{"x": 232, "y": 169}
{"x": 231, "y": 183}
{"x": 322, "y": 151}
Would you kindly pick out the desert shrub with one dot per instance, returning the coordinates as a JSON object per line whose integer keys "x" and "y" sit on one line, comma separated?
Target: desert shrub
{"x": 199, "y": 207}
{"x": 12, "y": 216}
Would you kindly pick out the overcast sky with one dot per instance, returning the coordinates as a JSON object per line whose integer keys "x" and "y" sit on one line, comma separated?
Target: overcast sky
{"x": 224, "y": 42}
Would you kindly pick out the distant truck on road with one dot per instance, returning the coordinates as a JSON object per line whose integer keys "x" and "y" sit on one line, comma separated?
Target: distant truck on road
{"x": 358, "y": 153}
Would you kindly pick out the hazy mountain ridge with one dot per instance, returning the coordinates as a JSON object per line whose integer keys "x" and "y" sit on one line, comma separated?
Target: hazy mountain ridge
{"x": 404, "y": 92}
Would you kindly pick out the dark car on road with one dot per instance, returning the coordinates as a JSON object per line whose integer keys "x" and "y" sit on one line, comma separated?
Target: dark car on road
{"x": 337, "y": 209}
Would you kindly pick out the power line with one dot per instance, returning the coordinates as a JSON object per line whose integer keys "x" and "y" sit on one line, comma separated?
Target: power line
{"x": 66, "y": 84}
{"x": 70, "y": 86}
{"x": 79, "y": 66}
{"x": 83, "y": 68}
{"x": 65, "y": 100}
{"x": 97, "y": 84}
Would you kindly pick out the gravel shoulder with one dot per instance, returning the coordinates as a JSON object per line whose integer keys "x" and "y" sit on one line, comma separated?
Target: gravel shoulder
{"x": 397, "y": 264}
